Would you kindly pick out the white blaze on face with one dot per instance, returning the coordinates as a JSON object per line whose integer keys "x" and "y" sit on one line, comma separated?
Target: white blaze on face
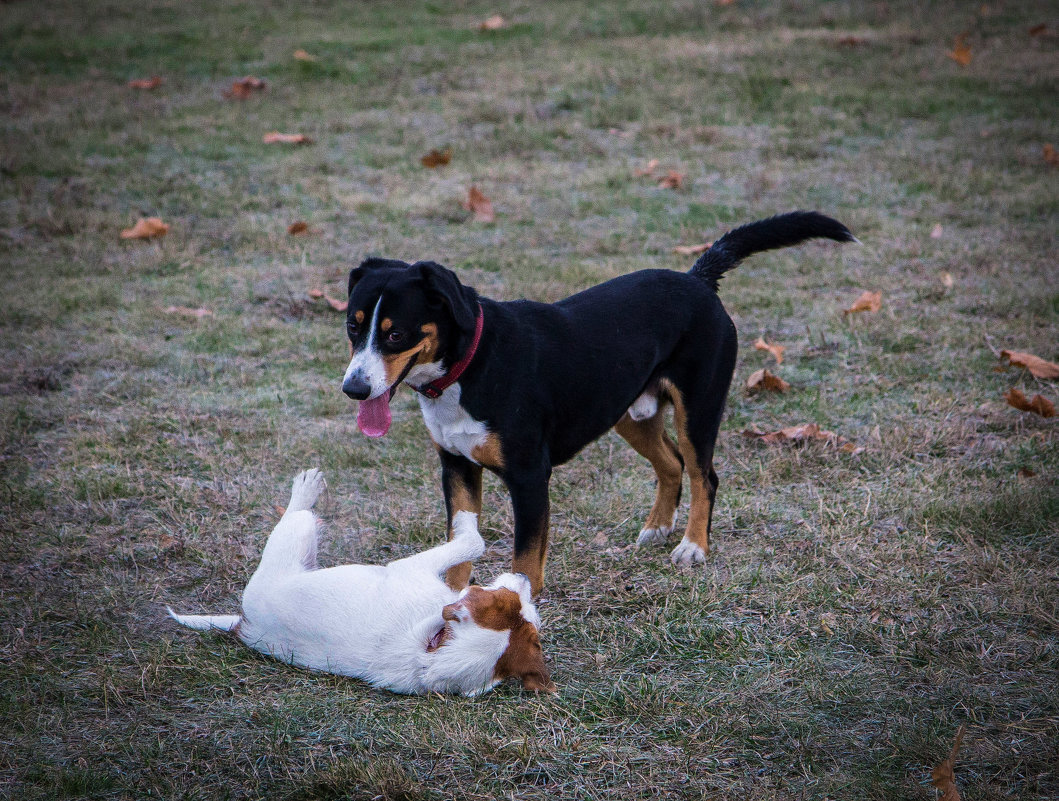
{"x": 367, "y": 362}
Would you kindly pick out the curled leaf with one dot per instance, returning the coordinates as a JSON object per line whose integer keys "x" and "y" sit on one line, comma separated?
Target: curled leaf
{"x": 868, "y": 301}
{"x": 146, "y": 83}
{"x": 298, "y": 228}
{"x": 302, "y": 55}
{"x": 671, "y": 180}
{"x": 1038, "y": 404}
{"x": 146, "y": 228}
{"x": 243, "y": 88}
{"x": 805, "y": 432}
{"x": 436, "y": 158}
{"x": 763, "y": 380}
{"x": 276, "y": 138}
{"x": 774, "y": 349}
{"x": 479, "y": 205}
{"x": 943, "y": 776}
{"x": 337, "y": 305}
{"x": 960, "y": 52}
{"x": 692, "y": 250}
{"x": 493, "y": 23}
{"x": 1038, "y": 367}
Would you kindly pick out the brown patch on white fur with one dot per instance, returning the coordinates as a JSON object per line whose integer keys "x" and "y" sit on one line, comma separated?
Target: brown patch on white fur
{"x": 489, "y": 454}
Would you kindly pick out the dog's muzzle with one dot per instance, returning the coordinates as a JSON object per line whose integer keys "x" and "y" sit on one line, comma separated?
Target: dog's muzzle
{"x": 356, "y": 387}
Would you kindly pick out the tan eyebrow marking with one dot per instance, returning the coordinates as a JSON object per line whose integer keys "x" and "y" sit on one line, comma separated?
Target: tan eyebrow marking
{"x": 359, "y": 317}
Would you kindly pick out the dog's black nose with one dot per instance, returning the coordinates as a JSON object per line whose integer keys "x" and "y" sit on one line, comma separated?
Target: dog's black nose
{"x": 356, "y": 387}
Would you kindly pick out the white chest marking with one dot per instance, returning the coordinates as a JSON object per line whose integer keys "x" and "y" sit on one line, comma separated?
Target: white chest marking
{"x": 450, "y": 425}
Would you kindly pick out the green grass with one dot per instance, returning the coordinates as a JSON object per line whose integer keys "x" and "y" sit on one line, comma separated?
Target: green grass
{"x": 855, "y": 611}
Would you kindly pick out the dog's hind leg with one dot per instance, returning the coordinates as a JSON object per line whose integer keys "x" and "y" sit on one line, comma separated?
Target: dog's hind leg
{"x": 466, "y": 545}
{"x": 306, "y": 489}
{"x": 649, "y": 439}
{"x": 292, "y": 544}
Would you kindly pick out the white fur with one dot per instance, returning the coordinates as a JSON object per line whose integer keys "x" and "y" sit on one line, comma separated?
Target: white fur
{"x": 657, "y": 536}
{"x": 367, "y": 362}
{"x": 372, "y": 622}
{"x": 687, "y": 553}
{"x": 449, "y": 424}
{"x": 644, "y": 407}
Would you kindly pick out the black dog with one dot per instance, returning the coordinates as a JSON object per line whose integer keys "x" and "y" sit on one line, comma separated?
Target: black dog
{"x": 520, "y": 387}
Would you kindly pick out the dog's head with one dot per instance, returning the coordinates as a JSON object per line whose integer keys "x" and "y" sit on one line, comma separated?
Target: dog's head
{"x": 404, "y": 322}
{"x": 505, "y": 607}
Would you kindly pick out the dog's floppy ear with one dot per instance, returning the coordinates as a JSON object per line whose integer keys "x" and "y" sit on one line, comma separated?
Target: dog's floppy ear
{"x": 538, "y": 683}
{"x": 373, "y": 263}
{"x": 445, "y": 288}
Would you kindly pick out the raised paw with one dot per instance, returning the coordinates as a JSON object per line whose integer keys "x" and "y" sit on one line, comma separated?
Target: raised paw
{"x": 687, "y": 553}
{"x": 465, "y": 532}
{"x": 306, "y": 489}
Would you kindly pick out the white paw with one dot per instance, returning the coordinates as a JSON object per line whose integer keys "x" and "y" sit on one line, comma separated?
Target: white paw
{"x": 687, "y": 554}
{"x": 306, "y": 489}
{"x": 656, "y": 536}
{"x": 465, "y": 532}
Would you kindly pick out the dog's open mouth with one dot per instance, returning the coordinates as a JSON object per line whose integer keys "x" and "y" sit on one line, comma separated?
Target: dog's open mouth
{"x": 438, "y": 639}
{"x": 373, "y": 416}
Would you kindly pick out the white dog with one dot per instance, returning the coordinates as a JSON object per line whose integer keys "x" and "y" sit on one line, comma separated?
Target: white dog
{"x": 399, "y": 626}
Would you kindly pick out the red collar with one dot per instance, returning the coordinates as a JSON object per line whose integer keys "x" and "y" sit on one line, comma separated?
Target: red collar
{"x": 439, "y": 385}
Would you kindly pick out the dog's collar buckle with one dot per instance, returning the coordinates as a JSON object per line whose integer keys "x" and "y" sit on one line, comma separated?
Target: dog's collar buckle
{"x": 434, "y": 389}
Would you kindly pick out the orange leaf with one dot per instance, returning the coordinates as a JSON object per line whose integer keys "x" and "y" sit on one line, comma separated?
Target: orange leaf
{"x": 436, "y": 158}
{"x": 692, "y": 250}
{"x": 774, "y": 349}
{"x": 276, "y": 138}
{"x": 1037, "y": 30}
{"x": 851, "y": 41}
{"x": 242, "y": 88}
{"x": 302, "y": 55}
{"x": 960, "y": 52}
{"x": 494, "y": 23}
{"x": 146, "y": 228}
{"x": 337, "y": 305}
{"x": 652, "y": 165}
{"x": 1038, "y": 405}
{"x": 804, "y": 433}
{"x": 868, "y": 301}
{"x": 1050, "y": 155}
{"x": 185, "y": 311}
{"x": 764, "y": 380}
{"x": 1037, "y": 366}
{"x": 671, "y": 180}
{"x": 947, "y": 280}
{"x": 943, "y": 776}
{"x": 146, "y": 83}
{"x": 298, "y": 228}
{"x": 316, "y": 294}
{"x": 479, "y": 205}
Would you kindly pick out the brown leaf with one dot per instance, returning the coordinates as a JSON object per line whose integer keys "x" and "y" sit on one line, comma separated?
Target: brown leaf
{"x": 146, "y": 83}
{"x": 804, "y": 433}
{"x": 276, "y": 138}
{"x": 1050, "y": 155}
{"x": 937, "y": 231}
{"x": 764, "y": 380}
{"x": 947, "y": 280}
{"x": 494, "y": 23}
{"x": 640, "y": 172}
{"x": 479, "y": 205}
{"x": 243, "y": 88}
{"x": 302, "y": 55}
{"x": 436, "y": 158}
{"x": 1038, "y": 367}
{"x": 146, "y": 228}
{"x": 774, "y": 349}
{"x": 1038, "y": 405}
{"x": 692, "y": 250}
{"x": 1038, "y": 30}
{"x": 298, "y": 228}
{"x": 337, "y": 305}
{"x": 943, "y": 776}
{"x": 960, "y": 52}
{"x": 671, "y": 180}
{"x": 868, "y": 301}
{"x": 315, "y": 294}
{"x": 185, "y": 311}
{"x": 851, "y": 41}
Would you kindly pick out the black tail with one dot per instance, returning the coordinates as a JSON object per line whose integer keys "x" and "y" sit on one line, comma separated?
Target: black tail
{"x": 780, "y": 231}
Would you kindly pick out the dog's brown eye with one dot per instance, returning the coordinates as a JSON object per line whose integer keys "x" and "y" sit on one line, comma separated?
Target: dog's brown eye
{"x": 395, "y": 337}
{"x": 352, "y": 330}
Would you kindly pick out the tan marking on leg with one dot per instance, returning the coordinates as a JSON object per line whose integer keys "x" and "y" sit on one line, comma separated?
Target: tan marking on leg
{"x": 698, "y": 528}
{"x": 531, "y": 561}
{"x": 649, "y": 439}
{"x": 489, "y": 454}
{"x": 462, "y": 498}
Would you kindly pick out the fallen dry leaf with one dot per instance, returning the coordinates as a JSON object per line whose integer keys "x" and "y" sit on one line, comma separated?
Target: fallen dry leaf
{"x": 436, "y": 158}
{"x": 1038, "y": 367}
{"x": 1025, "y": 472}
{"x": 641, "y": 172}
{"x": 936, "y": 231}
{"x": 315, "y": 294}
{"x": 494, "y": 23}
{"x": 947, "y": 280}
{"x": 868, "y": 301}
{"x": 1038, "y": 30}
{"x": 1038, "y": 404}
{"x": 185, "y": 311}
{"x": 723, "y": 2}
{"x": 146, "y": 83}
{"x": 943, "y": 776}
{"x": 277, "y": 138}
{"x": 960, "y": 52}
{"x": 803, "y": 433}
{"x": 763, "y": 380}
{"x": 337, "y": 305}
{"x": 243, "y": 88}
{"x": 851, "y": 41}
{"x": 146, "y": 228}
{"x": 774, "y": 349}
{"x": 692, "y": 250}
{"x": 298, "y": 228}
{"x": 671, "y": 180}
{"x": 479, "y": 205}
{"x": 1050, "y": 155}
{"x": 302, "y": 55}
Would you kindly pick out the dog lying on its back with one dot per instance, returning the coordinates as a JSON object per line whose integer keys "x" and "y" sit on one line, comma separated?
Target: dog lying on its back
{"x": 397, "y": 626}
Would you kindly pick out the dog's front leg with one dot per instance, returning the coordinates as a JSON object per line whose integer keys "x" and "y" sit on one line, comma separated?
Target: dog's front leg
{"x": 461, "y": 481}
{"x": 529, "y": 504}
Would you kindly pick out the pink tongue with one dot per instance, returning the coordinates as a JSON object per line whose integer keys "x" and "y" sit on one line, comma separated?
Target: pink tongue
{"x": 373, "y": 418}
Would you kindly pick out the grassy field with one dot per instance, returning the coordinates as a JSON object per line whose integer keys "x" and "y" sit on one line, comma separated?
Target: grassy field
{"x": 856, "y": 609}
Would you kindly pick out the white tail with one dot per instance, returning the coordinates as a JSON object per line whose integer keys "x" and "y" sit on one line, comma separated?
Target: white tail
{"x": 206, "y": 622}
